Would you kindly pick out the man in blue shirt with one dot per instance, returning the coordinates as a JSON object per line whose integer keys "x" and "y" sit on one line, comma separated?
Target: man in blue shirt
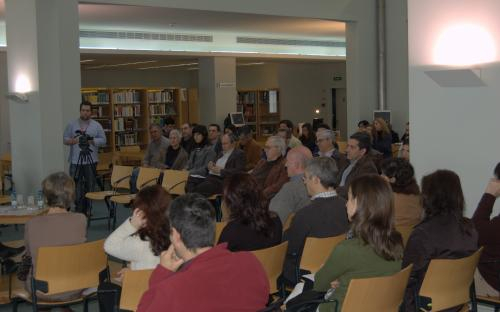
{"x": 86, "y": 171}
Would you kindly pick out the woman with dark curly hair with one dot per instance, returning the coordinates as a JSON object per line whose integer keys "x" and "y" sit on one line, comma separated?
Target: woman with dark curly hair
{"x": 201, "y": 154}
{"x": 142, "y": 237}
{"x": 407, "y": 202}
{"x": 252, "y": 225}
{"x": 308, "y": 137}
{"x": 443, "y": 234}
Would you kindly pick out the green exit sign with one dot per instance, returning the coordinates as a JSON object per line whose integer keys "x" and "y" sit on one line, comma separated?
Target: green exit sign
{"x": 337, "y": 78}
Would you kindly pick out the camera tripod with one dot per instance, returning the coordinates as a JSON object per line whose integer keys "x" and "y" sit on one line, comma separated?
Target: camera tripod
{"x": 85, "y": 178}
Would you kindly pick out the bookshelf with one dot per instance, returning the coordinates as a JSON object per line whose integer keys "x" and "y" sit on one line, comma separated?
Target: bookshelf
{"x": 261, "y": 109}
{"x": 126, "y": 113}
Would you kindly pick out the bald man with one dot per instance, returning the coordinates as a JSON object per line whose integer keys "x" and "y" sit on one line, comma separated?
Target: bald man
{"x": 293, "y": 195}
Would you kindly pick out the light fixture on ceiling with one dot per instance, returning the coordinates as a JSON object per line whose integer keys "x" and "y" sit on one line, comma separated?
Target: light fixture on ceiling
{"x": 250, "y": 64}
{"x": 168, "y": 66}
{"x": 86, "y": 61}
{"x": 122, "y": 64}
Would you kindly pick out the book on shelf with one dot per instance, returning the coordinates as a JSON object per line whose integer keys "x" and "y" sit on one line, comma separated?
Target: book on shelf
{"x": 128, "y": 111}
{"x": 127, "y": 97}
{"x": 163, "y": 96}
{"x": 183, "y": 94}
{"x": 97, "y": 112}
{"x": 96, "y": 98}
{"x": 126, "y": 139}
{"x": 126, "y": 124}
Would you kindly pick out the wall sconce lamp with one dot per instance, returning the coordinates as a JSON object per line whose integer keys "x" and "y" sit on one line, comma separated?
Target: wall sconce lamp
{"x": 22, "y": 88}
{"x": 18, "y": 97}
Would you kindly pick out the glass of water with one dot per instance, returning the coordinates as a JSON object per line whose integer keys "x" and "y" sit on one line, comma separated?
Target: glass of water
{"x": 31, "y": 202}
{"x": 20, "y": 201}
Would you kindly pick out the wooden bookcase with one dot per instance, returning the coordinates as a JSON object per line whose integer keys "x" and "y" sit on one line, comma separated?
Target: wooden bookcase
{"x": 126, "y": 113}
{"x": 261, "y": 109}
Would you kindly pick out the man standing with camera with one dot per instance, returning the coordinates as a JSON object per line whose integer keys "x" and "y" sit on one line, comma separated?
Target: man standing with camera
{"x": 84, "y": 135}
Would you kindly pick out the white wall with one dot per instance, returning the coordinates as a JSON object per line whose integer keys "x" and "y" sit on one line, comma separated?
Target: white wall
{"x": 453, "y": 128}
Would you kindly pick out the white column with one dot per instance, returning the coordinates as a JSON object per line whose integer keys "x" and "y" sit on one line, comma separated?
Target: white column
{"x": 217, "y": 88}
{"x": 42, "y": 51}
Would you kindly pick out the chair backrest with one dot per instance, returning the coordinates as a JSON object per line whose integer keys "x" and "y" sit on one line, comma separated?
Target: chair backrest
{"x": 72, "y": 267}
{"x": 174, "y": 181}
{"x": 105, "y": 161}
{"x": 288, "y": 221}
{"x": 120, "y": 177}
{"x": 147, "y": 176}
{"x": 317, "y": 250}
{"x": 130, "y": 148}
{"x": 219, "y": 226}
{"x": 378, "y": 293}
{"x": 272, "y": 259}
{"x": 134, "y": 285}
{"x": 447, "y": 281}
{"x": 405, "y": 231}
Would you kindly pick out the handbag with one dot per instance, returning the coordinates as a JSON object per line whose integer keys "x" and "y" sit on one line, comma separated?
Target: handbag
{"x": 108, "y": 295}
{"x": 307, "y": 301}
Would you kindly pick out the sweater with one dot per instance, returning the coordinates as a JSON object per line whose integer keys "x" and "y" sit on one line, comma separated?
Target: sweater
{"x": 324, "y": 217}
{"x": 215, "y": 281}
{"x": 199, "y": 159}
{"x": 156, "y": 153}
{"x": 243, "y": 237}
{"x": 489, "y": 237}
{"x": 124, "y": 245}
{"x": 271, "y": 175}
{"x": 349, "y": 260}
{"x": 292, "y": 197}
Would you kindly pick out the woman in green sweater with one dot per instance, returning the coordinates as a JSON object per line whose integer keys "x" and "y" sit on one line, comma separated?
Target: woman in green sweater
{"x": 375, "y": 247}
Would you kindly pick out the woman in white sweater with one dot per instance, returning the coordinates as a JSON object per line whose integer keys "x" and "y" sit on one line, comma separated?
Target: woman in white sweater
{"x": 142, "y": 237}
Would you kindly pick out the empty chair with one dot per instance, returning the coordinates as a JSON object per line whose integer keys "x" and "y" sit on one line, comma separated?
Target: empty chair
{"x": 174, "y": 181}
{"x": 147, "y": 176}
{"x": 272, "y": 260}
{"x": 61, "y": 269}
{"x": 134, "y": 284}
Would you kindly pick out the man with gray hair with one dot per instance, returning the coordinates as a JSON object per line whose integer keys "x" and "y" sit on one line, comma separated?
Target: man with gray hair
{"x": 271, "y": 172}
{"x": 326, "y": 144}
{"x": 157, "y": 148}
{"x": 293, "y": 195}
{"x": 326, "y": 216}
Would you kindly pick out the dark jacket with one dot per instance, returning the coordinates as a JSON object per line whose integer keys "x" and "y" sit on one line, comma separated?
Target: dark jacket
{"x": 383, "y": 144}
{"x": 324, "y": 217}
{"x": 489, "y": 237}
{"x": 363, "y": 166}
{"x": 235, "y": 163}
{"x": 276, "y": 176}
{"x": 439, "y": 237}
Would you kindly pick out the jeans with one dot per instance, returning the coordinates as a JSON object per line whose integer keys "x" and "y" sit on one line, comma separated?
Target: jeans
{"x": 85, "y": 182}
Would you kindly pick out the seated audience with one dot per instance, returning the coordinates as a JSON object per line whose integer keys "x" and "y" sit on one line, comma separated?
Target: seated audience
{"x": 374, "y": 247}
{"x": 252, "y": 225}
{"x": 199, "y": 158}
{"x": 394, "y": 134}
{"x": 58, "y": 227}
{"x": 286, "y": 135}
{"x": 176, "y": 157}
{"x": 141, "y": 238}
{"x": 407, "y": 202}
{"x": 486, "y": 277}
{"x": 382, "y": 139}
{"x": 308, "y": 138}
{"x": 271, "y": 172}
{"x": 358, "y": 161}
{"x": 405, "y": 138}
{"x": 157, "y": 148}
{"x": 214, "y": 138}
{"x": 168, "y": 125}
{"x": 187, "y": 141}
{"x": 195, "y": 276}
{"x": 405, "y": 151}
{"x": 251, "y": 148}
{"x": 230, "y": 161}
{"x": 364, "y": 126}
{"x": 322, "y": 127}
{"x": 230, "y": 129}
{"x": 325, "y": 217}
{"x": 293, "y": 194}
{"x": 326, "y": 145}
{"x": 443, "y": 234}
{"x": 287, "y": 124}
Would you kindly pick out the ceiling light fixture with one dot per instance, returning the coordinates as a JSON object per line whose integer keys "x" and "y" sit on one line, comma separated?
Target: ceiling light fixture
{"x": 168, "y": 66}
{"x": 250, "y": 64}
{"x": 118, "y": 65}
{"x": 86, "y": 61}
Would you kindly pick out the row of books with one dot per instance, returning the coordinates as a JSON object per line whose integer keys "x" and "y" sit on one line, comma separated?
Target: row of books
{"x": 125, "y": 97}
{"x": 96, "y": 98}
{"x": 105, "y": 123}
{"x": 163, "y": 96}
{"x": 126, "y": 139}
{"x": 246, "y": 97}
{"x": 123, "y": 124}
{"x": 98, "y": 112}
{"x": 162, "y": 109}
{"x": 128, "y": 111}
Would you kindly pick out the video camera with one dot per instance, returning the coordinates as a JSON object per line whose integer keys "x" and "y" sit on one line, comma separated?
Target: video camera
{"x": 83, "y": 139}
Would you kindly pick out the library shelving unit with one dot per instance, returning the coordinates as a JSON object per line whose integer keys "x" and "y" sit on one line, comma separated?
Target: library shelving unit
{"x": 126, "y": 113}
{"x": 261, "y": 109}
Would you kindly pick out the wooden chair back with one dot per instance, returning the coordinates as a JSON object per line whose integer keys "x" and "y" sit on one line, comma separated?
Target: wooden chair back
{"x": 342, "y": 146}
{"x": 219, "y": 226}
{"x": 379, "y": 293}
{"x": 405, "y": 231}
{"x": 174, "y": 181}
{"x": 134, "y": 285}
{"x": 72, "y": 267}
{"x": 272, "y": 259}
{"x": 226, "y": 213}
{"x": 288, "y": 221}
{"x": 147, "y": 176}
{"x": 105, "y": 161}
{"x": 447, "y": 281}
{"x": 317, "y": 250}
{"x": 130, "y": 148}
{"x": 120, "y": 177}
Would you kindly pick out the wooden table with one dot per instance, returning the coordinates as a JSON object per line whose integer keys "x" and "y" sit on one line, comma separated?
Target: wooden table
{"x": 18, "y": 216}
